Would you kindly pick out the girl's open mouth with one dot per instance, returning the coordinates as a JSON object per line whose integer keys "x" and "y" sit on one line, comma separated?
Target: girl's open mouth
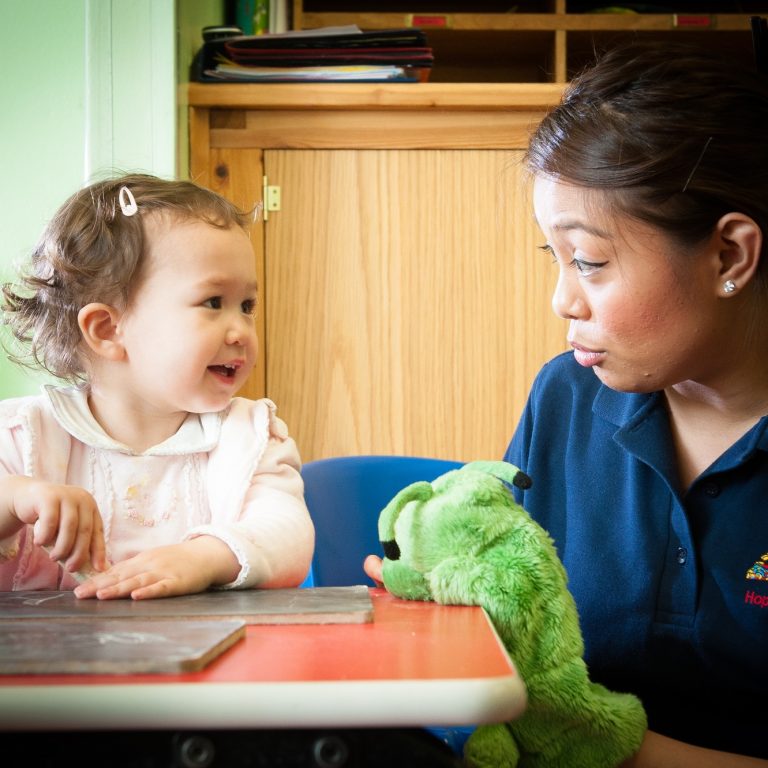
{"x": 228, "y": 371}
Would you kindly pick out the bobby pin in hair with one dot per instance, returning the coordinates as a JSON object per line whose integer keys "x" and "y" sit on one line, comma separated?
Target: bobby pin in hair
{"x": 127, "y": 201}
{"x": 696, "y": 164}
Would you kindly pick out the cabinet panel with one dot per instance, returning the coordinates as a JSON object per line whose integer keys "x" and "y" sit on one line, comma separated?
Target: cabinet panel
{"x": 238, "y": 176}
{"x": 403, "y": 305}
{"x": 407, "y": 309}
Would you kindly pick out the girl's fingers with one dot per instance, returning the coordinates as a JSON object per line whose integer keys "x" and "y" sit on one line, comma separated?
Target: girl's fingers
{"x": 46, "y": 526}
{"x": 69, "y": 537}
{"x": 98, "y": 547}
{"x": 79, "y": 558}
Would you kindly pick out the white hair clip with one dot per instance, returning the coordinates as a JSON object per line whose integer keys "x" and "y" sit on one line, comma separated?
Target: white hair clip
{"x": 127, "y": 202}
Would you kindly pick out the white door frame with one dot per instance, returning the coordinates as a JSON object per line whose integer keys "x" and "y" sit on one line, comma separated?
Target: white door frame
{"x": 130, "y": 87}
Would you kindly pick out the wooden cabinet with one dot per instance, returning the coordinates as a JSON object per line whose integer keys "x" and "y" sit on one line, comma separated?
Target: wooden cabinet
{"x": 537, "y": 40}
{"x": 404, "y": 306}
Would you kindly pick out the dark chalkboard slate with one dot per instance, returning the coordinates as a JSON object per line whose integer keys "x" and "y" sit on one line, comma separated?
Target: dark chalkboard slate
{"x": 113, "y": 646}
{"x": 315, "y": 605}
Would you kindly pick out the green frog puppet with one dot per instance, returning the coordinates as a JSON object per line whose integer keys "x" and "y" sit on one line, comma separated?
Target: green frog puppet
{"x": 464, "y": 540}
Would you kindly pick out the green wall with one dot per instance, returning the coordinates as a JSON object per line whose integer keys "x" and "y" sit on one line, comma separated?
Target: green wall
{"x": 41, "y": 131}
{"x": 89, "y": 87}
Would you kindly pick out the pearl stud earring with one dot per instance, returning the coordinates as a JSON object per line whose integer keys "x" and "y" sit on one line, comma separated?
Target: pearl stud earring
{"x": 729, "y": 286}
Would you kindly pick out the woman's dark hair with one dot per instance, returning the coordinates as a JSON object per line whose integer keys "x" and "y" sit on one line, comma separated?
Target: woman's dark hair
{"x": 92, "y": 251}
{"x": 675, "y": 135}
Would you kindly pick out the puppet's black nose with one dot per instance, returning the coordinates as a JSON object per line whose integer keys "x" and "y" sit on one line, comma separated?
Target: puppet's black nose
{"x": 522, "y": 480}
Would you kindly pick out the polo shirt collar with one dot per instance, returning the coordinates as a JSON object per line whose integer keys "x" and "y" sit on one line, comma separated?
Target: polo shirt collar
{"x": 643, "y": 429}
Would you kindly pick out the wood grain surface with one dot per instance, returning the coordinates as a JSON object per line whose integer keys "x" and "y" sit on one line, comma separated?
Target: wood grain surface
{"x": 113, "y": 646}
{"x": 316, "y": 605}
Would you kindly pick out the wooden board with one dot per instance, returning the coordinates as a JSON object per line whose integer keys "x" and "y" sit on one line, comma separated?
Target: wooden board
{"x": 315, "y": 605}
{"x": 113, "y": 646}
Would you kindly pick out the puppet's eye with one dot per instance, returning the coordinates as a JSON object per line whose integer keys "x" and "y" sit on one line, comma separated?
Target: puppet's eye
{"x": 391, "y": 550}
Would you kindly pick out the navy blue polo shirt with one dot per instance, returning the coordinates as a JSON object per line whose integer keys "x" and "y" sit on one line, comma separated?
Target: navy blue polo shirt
{"x": 670, "y": 583}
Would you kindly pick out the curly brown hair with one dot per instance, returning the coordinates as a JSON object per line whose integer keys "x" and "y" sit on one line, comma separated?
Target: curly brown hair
{"x": 92, "y": 252}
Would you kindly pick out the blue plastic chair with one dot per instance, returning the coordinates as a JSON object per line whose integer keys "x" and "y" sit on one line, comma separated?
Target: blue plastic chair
{"x": 345, "y": 495}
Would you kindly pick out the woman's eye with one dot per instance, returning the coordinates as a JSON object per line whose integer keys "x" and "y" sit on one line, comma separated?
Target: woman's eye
{"x": 581, "y": 265}
{"x": 213, "y": 303}
{"x": 547, "y": 248}
{"x": 248, "y": 306}
{"x": 586, "y": 267}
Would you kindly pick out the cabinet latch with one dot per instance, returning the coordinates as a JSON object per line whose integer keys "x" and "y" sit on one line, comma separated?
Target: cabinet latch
{"x": 271, "y": 198}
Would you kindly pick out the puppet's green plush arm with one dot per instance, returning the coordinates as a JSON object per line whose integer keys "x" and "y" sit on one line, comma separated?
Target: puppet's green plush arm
{"x": 403, "y": 580}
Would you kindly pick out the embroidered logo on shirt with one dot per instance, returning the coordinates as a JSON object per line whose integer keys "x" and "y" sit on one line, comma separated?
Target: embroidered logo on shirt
{"x": 759, "y": 570}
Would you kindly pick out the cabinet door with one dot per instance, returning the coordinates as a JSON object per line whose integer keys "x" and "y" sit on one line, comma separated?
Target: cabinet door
{"x": 407, "y": 309}
{"x": 238, "y": 175}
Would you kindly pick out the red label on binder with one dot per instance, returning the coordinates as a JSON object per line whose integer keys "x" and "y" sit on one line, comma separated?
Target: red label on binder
{"x": 430, "y": 21}
{"x": 697, "y": 20}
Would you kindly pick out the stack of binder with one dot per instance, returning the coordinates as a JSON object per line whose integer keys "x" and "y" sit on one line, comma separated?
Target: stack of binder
{"x": 329, "y": 54}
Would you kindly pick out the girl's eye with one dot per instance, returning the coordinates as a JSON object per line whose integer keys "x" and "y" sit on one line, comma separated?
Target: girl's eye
{"x": 213, "y": 303}
{"x": 586, "y": 267}
{"x": 248, "y": 306}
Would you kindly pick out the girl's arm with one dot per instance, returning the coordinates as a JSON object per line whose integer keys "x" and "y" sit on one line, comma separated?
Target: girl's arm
{"x": 9, "y": 522}
{"x": 273, "y": 537}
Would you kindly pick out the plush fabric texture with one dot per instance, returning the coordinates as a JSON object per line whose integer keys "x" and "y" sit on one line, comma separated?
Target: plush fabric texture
{"x": 464, "y": 540}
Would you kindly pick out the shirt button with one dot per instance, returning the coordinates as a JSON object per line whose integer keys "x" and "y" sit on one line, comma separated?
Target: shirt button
{"x": 682, "y": 555}
{"x": 711, "y": 489}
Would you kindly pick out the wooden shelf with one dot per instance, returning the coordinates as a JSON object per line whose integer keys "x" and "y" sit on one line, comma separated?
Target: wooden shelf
{"x": 365, "y": 115}
{"x": 539, "y": 22}
{"x": 392, "y": 96}
{"x": 533, "y": 47}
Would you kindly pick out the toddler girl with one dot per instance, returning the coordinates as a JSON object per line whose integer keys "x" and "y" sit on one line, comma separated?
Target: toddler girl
{"x": 146, "y": 477}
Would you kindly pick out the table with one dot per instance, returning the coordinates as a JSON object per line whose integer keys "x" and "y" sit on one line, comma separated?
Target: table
{"x": 416, "y": 664}
{"x": 304, "y": 695}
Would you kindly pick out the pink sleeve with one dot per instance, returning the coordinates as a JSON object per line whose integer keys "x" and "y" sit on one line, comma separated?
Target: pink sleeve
{"x": 272, "y": 534}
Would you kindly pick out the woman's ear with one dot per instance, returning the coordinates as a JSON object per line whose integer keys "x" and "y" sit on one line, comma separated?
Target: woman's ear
{"x": 99, "y": 326}
{"x": 740, "y": 243}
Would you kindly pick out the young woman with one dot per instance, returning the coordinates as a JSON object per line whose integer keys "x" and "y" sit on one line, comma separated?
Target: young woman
{"x": 648, "y": 443}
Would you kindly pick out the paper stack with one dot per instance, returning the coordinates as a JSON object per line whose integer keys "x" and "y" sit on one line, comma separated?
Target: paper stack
{"x": 327, "y": 54}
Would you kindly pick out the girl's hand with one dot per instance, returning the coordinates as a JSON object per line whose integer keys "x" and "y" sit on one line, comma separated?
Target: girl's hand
{"x": 177, "y": 569}
{"x": 65, "y": 520}
{"x": 372, "y": 568}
